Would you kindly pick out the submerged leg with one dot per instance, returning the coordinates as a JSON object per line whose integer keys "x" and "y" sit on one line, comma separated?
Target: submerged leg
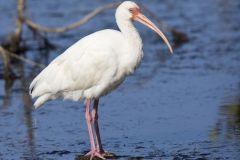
{"x": 88, "y": 116}
{"x": 96, "y": 127}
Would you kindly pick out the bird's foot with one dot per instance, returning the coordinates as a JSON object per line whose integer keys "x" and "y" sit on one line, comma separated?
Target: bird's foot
{"x": 94, "y": 153}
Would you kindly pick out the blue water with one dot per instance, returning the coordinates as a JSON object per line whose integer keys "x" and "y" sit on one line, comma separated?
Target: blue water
{"x": 181, "y": 106}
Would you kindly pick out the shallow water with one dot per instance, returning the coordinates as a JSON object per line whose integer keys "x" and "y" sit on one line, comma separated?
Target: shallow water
{"x": 184, "y": 106}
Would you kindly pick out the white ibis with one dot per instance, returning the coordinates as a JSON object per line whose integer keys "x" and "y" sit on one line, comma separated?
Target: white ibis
{"x": 94, "y": 66}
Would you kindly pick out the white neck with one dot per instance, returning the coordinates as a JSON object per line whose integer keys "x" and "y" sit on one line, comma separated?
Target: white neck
{"x": 130, "y": 33}
{"x": 134, "y": 40}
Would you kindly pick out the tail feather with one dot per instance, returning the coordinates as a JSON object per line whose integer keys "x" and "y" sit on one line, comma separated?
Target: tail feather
{"x": 41, "y": 100}
{"x": 33, "y": 84}
{"x": 39, "y": 89}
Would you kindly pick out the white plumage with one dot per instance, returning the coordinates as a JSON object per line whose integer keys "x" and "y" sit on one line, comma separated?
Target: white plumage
{"x": 90, "y": 68}
{"x": 94, "y": 66}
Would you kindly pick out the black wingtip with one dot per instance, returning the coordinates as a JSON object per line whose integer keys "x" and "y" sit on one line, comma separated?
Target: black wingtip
{"x": 31, "y": 89}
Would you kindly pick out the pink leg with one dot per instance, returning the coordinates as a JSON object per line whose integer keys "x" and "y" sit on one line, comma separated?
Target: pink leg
{"x": 93, "y": 151}
{"x": 95, "y": 122}
{"x": 89, "y": 123}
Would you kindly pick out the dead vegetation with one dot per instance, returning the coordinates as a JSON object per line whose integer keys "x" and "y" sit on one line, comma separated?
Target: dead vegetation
{"x": 14, "y": 47}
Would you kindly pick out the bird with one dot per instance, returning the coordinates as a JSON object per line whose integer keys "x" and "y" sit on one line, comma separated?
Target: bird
{"x": 94, "y": 66}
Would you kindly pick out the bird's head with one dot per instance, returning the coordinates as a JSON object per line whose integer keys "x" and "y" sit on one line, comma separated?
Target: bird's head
{"x": 130, "y": 11}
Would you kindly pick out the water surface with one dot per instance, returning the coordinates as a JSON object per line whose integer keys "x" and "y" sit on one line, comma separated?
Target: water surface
{"x": 185, "y": 106}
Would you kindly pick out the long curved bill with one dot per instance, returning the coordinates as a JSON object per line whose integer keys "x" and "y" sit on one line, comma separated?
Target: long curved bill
{"x": 144, "y": 20}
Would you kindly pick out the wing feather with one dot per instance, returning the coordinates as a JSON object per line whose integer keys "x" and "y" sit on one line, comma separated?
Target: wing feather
{"x": 92, "y": 62}
{"x": 95, "y": 66}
